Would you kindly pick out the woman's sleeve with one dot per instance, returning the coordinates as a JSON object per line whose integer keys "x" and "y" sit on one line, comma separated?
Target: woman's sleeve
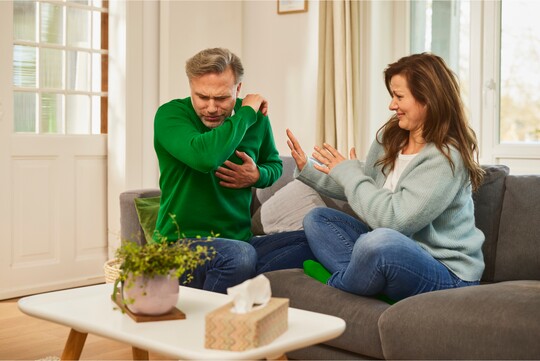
{"x": 425, "y": 190}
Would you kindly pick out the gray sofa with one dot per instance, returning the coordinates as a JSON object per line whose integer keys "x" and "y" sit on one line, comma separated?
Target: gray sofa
{"x": 499, "y": 319}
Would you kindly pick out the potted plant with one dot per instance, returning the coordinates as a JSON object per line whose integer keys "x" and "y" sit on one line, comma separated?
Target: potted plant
{"x": 149, "y": 273}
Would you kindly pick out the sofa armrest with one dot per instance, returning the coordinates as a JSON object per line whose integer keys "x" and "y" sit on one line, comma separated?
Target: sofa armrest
{"x": 130, "y": 227}
{"x": 492, "y": 321}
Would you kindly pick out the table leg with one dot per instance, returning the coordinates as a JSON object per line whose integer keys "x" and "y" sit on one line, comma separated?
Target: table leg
{"x": 74, "y": 345}
{"x": 139, "y": 354}
{"x": 282, "y": 357}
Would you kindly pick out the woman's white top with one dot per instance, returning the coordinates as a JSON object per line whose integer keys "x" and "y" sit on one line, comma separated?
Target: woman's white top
{"x": 401, "y": 163}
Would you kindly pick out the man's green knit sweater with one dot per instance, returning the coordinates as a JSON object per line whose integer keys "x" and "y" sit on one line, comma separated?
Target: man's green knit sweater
{"x": 189, "y": 154}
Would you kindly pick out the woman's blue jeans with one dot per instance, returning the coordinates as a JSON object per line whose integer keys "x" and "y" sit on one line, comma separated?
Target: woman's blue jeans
{"x": 238, "y": 261}
{"x": 371, "y": 262}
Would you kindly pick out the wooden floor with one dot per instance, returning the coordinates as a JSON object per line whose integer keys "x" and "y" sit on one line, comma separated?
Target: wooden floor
{"x": 24, "y": 337}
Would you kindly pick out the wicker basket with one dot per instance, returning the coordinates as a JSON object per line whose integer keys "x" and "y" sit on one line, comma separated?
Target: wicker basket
{"x": 112, "y": 270}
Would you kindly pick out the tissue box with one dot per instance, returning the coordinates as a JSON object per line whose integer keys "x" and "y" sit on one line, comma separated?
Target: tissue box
{"x": 230, "y": 331}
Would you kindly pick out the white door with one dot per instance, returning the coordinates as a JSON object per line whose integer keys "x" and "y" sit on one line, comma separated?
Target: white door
{"x": 53, "y": 198}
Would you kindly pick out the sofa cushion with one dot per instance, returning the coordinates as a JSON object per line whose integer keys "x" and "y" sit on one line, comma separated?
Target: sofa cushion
{"x": 324, "y": 352}
{"x": 518, "y": 249}
{"x": 488, "y": 202}
{"x": 147, "y": 211}
{"x": 261, "y": 195}
{"x": 129, "y": 222}
{"x": 361, "y": 313}
{"x": 286, "y": 209}
{"x": 487, "y": 322}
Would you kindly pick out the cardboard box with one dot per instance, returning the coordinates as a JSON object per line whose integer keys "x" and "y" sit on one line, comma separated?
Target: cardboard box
{"x": 226, "y": 330}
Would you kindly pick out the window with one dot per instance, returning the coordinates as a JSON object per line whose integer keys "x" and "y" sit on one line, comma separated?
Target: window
{"x": 494, "y": 48}
{"x": 60, "y": 66}
{"x": 520, "y": 72}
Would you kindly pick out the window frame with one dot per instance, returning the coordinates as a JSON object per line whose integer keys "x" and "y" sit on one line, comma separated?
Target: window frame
{"x": 520, "y": 157}
{"x": 103, "y": 52}
{"x": 484, "y": 92}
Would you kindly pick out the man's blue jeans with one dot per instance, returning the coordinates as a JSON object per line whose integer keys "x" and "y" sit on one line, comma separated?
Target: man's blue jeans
{"x": 371, "y": 262}
{"x": 237, "y": 261}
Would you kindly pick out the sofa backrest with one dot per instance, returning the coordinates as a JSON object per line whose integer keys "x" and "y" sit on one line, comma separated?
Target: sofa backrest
{"x": 488, "y": 201}
{"x": 507, "y": 210}
{"x": 261, "y": 195}
{"x": 517, "y": 255}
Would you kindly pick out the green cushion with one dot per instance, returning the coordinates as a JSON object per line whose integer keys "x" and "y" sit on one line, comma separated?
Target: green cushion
{"x": 147, "y": 211}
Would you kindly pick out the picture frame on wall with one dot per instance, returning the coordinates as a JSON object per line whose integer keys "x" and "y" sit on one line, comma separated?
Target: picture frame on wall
{"x": 291, "y": 6}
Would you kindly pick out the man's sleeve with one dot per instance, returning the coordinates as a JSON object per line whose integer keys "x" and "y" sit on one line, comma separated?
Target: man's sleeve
{"x": 175, "y": 132}
{"x": 269, "y": 162}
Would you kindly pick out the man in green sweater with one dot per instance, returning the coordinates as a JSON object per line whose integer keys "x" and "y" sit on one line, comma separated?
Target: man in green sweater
{"x": 212, "y": 148}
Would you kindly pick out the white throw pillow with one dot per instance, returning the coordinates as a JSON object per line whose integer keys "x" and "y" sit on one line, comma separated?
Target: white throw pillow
{"x": 286, "y": 209}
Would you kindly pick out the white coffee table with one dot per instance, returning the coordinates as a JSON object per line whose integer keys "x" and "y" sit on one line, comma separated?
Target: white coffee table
{"x": 90, "y": 310}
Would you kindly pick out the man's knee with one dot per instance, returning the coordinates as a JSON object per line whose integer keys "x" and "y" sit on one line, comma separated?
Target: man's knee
{"x": 247, "y": 257}
{"x": 236, "y": 254}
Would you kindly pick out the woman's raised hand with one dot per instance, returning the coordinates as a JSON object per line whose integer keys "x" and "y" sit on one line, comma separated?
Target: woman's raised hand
{"x": 296, "y": 150}
{"x": 352, "y": 153}
{"x": 328, "y": 157}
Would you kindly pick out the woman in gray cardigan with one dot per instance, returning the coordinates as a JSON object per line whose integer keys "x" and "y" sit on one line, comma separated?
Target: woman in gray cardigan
{"x": 413, "y": 194}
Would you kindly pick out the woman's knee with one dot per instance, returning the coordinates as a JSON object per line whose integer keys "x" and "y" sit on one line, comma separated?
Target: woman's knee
{"x": 381, "y": 240}
{"x": 315, "y": 216}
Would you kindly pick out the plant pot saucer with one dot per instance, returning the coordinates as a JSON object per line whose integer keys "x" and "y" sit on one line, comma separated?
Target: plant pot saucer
{"x": 174, "y": 314}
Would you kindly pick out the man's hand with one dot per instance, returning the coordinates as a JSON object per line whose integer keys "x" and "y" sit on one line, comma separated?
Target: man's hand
{"x": 234, "y": 175}
{"x": 257, "y": 102}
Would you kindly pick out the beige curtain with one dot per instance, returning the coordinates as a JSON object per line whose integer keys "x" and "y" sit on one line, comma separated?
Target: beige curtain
{"x": 338, "y": 77}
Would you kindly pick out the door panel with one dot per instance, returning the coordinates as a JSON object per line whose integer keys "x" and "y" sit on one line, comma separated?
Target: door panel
{"x": 58, "y": 213}
{"x": 52, "y": 198}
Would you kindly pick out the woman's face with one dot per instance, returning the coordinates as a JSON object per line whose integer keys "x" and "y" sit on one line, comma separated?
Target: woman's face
{"x": 411, "y": 113}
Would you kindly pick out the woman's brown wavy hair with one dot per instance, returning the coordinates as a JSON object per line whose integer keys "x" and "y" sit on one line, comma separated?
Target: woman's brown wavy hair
{"x": 434, "y": 85}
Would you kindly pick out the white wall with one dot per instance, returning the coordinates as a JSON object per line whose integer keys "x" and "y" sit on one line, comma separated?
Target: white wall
{"x": 279, "y": 53}
{"x": 133, "y": 99}
{"x": 187, "y": 27}
{"x": 280, "y": 59}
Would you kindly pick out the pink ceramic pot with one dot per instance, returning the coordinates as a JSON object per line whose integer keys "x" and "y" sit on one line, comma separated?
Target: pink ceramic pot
{"x": 153, "y": 296}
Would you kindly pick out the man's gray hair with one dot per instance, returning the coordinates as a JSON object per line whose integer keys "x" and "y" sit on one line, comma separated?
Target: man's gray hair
{"x": 214, "y": 60}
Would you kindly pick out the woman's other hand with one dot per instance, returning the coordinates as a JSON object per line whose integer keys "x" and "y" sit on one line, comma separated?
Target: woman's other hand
{"x": 329, "y": 157}
{"x": 296, "y": 151}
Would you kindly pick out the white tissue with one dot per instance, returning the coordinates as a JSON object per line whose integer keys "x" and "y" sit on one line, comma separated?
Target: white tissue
{"x": 246, "y": 295}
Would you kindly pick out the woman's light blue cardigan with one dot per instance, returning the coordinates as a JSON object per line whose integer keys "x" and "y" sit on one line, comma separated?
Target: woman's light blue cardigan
{"x": 431, "y": 204}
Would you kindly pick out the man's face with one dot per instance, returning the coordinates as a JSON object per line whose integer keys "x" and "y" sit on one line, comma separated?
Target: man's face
{"x": 213, "y": 97}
